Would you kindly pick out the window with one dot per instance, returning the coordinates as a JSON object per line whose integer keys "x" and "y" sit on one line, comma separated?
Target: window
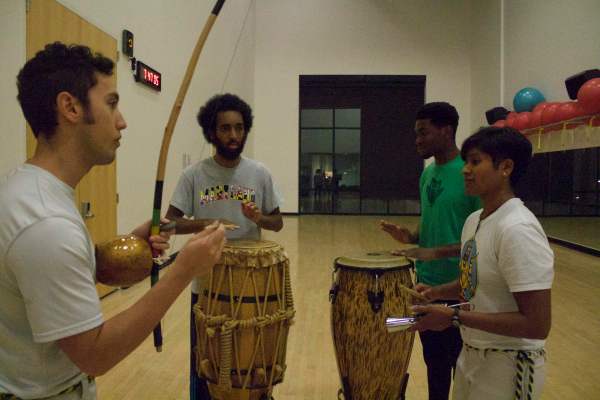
{"x": 354, "y": 130}
{"x": 330, "y": 160}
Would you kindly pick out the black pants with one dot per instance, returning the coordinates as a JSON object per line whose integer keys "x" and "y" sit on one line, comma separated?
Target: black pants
{"x": 198, "y": 386}
{"x": 440, "y": 351}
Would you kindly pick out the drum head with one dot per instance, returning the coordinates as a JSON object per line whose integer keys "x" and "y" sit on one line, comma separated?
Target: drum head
{"x": 375, "y": 260}
{"x": 253, "y": 253}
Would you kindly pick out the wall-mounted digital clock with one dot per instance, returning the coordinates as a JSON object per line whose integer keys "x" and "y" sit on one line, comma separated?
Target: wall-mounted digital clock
{"x": 148, "y": 76}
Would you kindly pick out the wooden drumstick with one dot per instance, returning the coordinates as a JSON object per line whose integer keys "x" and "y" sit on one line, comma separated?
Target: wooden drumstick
{"x": 231, "y": 227}
{"x": 414, "y": 293}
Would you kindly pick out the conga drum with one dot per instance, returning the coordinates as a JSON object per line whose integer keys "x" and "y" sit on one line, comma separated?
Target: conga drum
{"x": 366, "y": 289}
{"x": 242, "y": 321}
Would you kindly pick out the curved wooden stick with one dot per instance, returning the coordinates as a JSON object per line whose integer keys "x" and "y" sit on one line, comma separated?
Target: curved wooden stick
{"x": 166, "y": 141}
{"x": 414, "y": 293}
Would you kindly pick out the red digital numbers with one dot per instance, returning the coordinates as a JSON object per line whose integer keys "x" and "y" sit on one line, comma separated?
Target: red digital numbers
{"x": 148, "y": 76}
{"x": 151, "y": 77}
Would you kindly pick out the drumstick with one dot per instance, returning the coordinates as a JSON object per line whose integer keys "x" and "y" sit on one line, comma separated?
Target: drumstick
{"x": 230, "y": 227}
{"x": 168, "y": 226}
{"x": 414, "y": 293}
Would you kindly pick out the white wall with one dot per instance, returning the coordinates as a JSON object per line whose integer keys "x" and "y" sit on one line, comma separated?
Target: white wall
{"x": 12, "y": 48}
{"x": 485, "y": 54}
{"x": 455, "y": 43}
{"x": 547, "y": 41}
{"x": 350, "y": 37}
{"x": 165, "y": 34}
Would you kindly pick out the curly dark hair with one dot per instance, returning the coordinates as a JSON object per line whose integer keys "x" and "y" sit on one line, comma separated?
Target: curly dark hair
{"x": 440, "y": 114}
{"x": 207, "y": 116}
{"x": 57, "y": 68}
{"x": 501, "y": 144}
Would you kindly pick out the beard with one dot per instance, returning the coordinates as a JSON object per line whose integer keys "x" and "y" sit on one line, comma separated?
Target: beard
{"x": 226, "y": 152}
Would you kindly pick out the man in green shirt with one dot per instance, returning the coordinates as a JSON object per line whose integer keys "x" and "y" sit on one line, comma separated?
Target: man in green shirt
{"x": 444, "y": 209}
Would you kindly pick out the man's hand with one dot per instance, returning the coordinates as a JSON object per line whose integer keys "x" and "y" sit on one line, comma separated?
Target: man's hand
{"x": 427, "y": 291}
{"x": 418, "y": 253}
{"x": 97, "y": 350}
{"x": 159, "y": 242}
{"x": 399, "y": 233}
{"x": 251, "y": 211}
{"x": 203, "y": 249}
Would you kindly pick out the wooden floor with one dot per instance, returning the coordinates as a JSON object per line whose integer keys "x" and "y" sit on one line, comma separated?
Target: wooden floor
{"x": 312, "y": 243}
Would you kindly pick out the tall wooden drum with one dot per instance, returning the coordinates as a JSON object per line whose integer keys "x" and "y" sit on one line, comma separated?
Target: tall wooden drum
{"x": 366, "y": 289}
{"x": 242, "y": 321}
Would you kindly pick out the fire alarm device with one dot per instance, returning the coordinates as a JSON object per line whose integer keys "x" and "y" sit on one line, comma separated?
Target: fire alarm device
{"x": 127, "y": 43}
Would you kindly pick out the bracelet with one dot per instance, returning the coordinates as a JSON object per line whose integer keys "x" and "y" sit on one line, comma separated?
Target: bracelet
{"x": 455, "y": 319}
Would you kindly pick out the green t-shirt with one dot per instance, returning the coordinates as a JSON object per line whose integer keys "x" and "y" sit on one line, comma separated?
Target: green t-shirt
{"x": 444, "y": 209}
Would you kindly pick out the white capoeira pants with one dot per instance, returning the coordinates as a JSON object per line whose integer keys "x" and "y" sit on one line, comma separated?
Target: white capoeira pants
{"x": 490, "y": 374}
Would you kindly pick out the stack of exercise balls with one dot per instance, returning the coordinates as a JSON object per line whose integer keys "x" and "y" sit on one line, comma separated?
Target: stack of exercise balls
{"x": 528, "y": 104}
{"x": 533, "y": 111}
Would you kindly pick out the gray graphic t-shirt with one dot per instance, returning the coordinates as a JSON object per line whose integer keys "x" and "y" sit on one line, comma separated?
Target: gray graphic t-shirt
{"x": 209, "y": 190}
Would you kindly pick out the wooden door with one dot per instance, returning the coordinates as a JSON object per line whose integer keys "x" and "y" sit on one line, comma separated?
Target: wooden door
{"x": 49, "y": 21}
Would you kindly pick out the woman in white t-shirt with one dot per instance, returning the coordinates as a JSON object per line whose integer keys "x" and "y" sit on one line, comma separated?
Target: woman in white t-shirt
{"x": 506, "y": 275}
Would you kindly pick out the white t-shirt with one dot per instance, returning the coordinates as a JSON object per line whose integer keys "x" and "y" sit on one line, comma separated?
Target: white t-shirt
{"x": 511, "y": 254}
{"x": 207, "y": 190}
{"x": 47, "y": 288}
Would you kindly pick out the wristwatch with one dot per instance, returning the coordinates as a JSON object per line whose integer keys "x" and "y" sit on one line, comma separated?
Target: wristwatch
{"x": 455, "y": 320}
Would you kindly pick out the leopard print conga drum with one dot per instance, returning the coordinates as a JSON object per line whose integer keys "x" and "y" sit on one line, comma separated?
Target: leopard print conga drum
{"x": 242, "y": 321}
{"x": 366, "y": 289}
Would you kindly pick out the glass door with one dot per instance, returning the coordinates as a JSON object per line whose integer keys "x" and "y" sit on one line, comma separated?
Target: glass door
{"x": 330, "y": 161}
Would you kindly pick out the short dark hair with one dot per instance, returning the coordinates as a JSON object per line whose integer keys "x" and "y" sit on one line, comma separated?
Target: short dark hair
{"x": 207, "y": 116}
{"x": 440, "y": 114}
{"x": 57, "y": 68}
{"x": 501, "y": 144}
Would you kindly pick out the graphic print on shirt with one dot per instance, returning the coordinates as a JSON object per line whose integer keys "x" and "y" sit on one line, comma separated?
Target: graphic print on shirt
{"x": 434, "y": 189}
{"x": 468, "y": 270}
{"x": 212, "y": 194}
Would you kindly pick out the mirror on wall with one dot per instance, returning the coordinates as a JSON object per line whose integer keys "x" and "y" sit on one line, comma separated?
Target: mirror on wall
{"x": 562, "y": 188}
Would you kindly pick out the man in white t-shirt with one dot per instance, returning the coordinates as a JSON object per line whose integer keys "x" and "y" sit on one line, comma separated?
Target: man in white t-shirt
{"x": 507, "y": 269}
{"x": 54, "y": 339}
{"x": 226, "y": 187}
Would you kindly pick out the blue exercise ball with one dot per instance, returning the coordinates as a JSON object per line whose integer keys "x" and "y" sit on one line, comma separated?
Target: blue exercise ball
{"x": 527, "y": 98}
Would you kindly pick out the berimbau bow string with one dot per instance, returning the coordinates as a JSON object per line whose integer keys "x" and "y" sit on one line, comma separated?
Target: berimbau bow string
{"x": 166, "y": 141}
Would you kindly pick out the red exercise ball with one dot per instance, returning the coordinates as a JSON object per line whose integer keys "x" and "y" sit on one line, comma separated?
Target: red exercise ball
{"x": 510, "y": 119}
{"x": 540, "y": 106}
{"x": 568, "y": 110}
{"x": 536, "y": 118}
{"x": 549, "y": 114}
{"x": 589, "y": 96}
{"x": 523, "y": 121}
{"x": 500, "y": 123}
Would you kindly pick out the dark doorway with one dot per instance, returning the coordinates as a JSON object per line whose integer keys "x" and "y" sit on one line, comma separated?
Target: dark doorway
{"x": 357, "y": 153}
